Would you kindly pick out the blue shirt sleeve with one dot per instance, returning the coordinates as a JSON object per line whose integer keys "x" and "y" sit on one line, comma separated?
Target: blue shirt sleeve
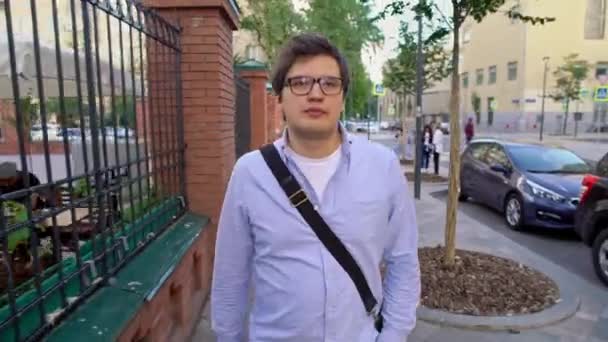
{"x": 402, "y": 277}
{"x": 232, "y": 265}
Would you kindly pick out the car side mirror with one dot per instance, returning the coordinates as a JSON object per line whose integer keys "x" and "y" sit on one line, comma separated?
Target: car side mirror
{"x": 499, "y": 168}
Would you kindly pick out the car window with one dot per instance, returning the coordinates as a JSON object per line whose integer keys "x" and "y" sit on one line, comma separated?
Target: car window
{"x": 602, "y": 166}
{"x": 496, "y": 156}
{"x": 540, "y": 159}
{"x": 478, "y": 151}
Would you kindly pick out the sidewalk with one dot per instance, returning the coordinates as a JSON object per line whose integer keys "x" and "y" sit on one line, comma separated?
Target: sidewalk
{"x": 589, "y": 324}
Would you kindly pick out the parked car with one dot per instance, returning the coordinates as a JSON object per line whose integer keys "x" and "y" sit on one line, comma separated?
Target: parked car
{"x": 591, "y": 220}
{"x": 531, "y": 185}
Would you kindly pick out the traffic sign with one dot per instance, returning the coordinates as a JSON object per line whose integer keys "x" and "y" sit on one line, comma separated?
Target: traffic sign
{"x": 378, "y": 90}
{"x": 601, "y": 94}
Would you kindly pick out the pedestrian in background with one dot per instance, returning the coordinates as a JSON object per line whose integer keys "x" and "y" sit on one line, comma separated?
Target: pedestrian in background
{"x": 469, "y": 131}
{"x": 438, "y": 147}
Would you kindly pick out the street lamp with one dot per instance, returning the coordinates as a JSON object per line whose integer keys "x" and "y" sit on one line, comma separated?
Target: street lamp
{"x": 542, "y": 109}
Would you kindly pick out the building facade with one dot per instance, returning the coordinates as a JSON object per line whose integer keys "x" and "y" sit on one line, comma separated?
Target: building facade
{"x": 503, "y": 64}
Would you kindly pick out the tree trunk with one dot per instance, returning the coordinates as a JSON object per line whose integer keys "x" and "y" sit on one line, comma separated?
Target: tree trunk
{"x": 565, "y": 125}
{"x": 403, "y": 125}
{"x": 454, "y": 177}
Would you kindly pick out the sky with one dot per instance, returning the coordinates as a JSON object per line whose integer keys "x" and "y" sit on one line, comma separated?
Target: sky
{"x": 374, "y": 60}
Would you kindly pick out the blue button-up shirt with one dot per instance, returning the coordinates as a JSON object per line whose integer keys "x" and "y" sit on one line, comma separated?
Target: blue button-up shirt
{"x": 300, "y": 292}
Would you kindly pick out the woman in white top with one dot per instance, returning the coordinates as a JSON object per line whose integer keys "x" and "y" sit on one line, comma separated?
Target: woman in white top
{"x": 438, "y": 143}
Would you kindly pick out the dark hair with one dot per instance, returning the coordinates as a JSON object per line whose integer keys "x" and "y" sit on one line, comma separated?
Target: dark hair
{"x": 303, "y": 45}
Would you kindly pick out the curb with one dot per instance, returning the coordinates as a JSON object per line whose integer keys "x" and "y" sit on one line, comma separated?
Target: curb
{"x": 561, "y": 311}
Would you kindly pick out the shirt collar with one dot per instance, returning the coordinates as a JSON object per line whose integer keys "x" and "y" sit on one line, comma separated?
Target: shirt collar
{"x": 346, "y": 145}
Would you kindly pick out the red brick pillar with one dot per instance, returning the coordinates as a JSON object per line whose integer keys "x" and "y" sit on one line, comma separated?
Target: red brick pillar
{"x": 208, "y": 93}
{"x": 275, "y": 114}
{"x": 257, "y": 75}
{"x": 208, "y": 100}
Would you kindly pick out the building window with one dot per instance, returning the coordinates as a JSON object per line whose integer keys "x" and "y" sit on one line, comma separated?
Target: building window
{"x": 492, "y": 74}
{"x": 512, "y": 71}
{"x": 479, "y": 74}
{"x": 595, "y": 19}
{"x": 601, "y": 69}
{"x": 253, "y": 52}
{"x": 466, "y": 35}
{"x": 465, "y": 79}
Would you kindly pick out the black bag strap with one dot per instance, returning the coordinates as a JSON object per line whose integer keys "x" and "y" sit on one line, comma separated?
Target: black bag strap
{"x": 300, "y": 201}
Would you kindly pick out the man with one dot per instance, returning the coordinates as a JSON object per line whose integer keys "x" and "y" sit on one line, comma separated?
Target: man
{"x": 469, "y": 130}
{"x": 301, "y": 293}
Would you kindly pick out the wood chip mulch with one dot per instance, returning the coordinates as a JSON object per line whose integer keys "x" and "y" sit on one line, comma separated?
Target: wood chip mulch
{"x": 426, "y": 177}
{"x": 483, "y": 285}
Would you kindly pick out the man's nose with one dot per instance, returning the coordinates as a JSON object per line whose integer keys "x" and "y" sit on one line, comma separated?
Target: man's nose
{"x": 316, "y": 91}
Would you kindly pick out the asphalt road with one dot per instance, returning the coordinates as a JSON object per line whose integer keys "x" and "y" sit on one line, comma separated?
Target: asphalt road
{"x": 562, "y": 247}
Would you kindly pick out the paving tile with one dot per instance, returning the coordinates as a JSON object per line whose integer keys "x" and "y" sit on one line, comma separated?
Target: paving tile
{"x": 530, "y": 336}
{"x": 461, "y": 335}
{"x": 422, "y": 332}
{"x": 600, "y": 330}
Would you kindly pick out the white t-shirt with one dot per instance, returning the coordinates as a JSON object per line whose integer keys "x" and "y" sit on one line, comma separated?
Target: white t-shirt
{"x": 318, "y": 171}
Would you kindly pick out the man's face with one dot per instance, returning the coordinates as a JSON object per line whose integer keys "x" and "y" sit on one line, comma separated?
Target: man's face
{"x": 313, "y": 114}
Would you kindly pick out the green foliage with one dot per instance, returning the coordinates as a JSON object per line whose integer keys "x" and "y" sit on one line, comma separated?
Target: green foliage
{"x": 569, "y": 77}
{"x": 81, "y": 189}
{"x": 568, "y": 83}
{"x": 351, "y": 34}
{"x": 124, "y": 112}
{"x": 463, "y": 9}
{"x": 70, "y": 117}
{"x": 140, "y": 208}
{"x": 476, "y": 102}
{"x": 16, "y": 213}
{"x": 29, "y": 113}
{"x": 360, "y": 90}
{"x": 399, "y": 73}
{"x": 273, "y": 22}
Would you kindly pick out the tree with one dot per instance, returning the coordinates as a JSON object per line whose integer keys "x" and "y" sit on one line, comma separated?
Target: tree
{"x": 569, "y": 79}
{"x": 356, "y": 30}
{"x": 273, "y": 22}
{"x": 399, "y": 73}
{"x": 29, "y": 115}
{"x": 476, "y": 103}
{"x": 72, "y": 110}
{"x": 462, "y": 10}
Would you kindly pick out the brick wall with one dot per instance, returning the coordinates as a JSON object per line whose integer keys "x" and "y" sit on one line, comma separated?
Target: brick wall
{"x": 208, "y": 97}
{"x": 275, "y": 116}
{"x": 259, "y": 113}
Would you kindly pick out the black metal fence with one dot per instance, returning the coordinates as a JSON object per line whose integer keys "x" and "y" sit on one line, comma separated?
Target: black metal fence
{"x": 96, "y": 170}
{"x": 242, "y": 121}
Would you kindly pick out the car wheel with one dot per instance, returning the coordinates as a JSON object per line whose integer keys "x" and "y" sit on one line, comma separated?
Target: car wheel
{"x": 600, "y": 255}
{"x": 514, "y": 212}
{"x": 462, "y": 196}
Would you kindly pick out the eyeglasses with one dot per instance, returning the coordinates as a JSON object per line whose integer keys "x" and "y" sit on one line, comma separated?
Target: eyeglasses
{"x": 302, "y": 85}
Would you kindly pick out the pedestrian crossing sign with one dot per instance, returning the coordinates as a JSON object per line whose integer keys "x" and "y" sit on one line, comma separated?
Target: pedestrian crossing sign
{"x": 601, "y": 94}
{"x": 378, "y": 90}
